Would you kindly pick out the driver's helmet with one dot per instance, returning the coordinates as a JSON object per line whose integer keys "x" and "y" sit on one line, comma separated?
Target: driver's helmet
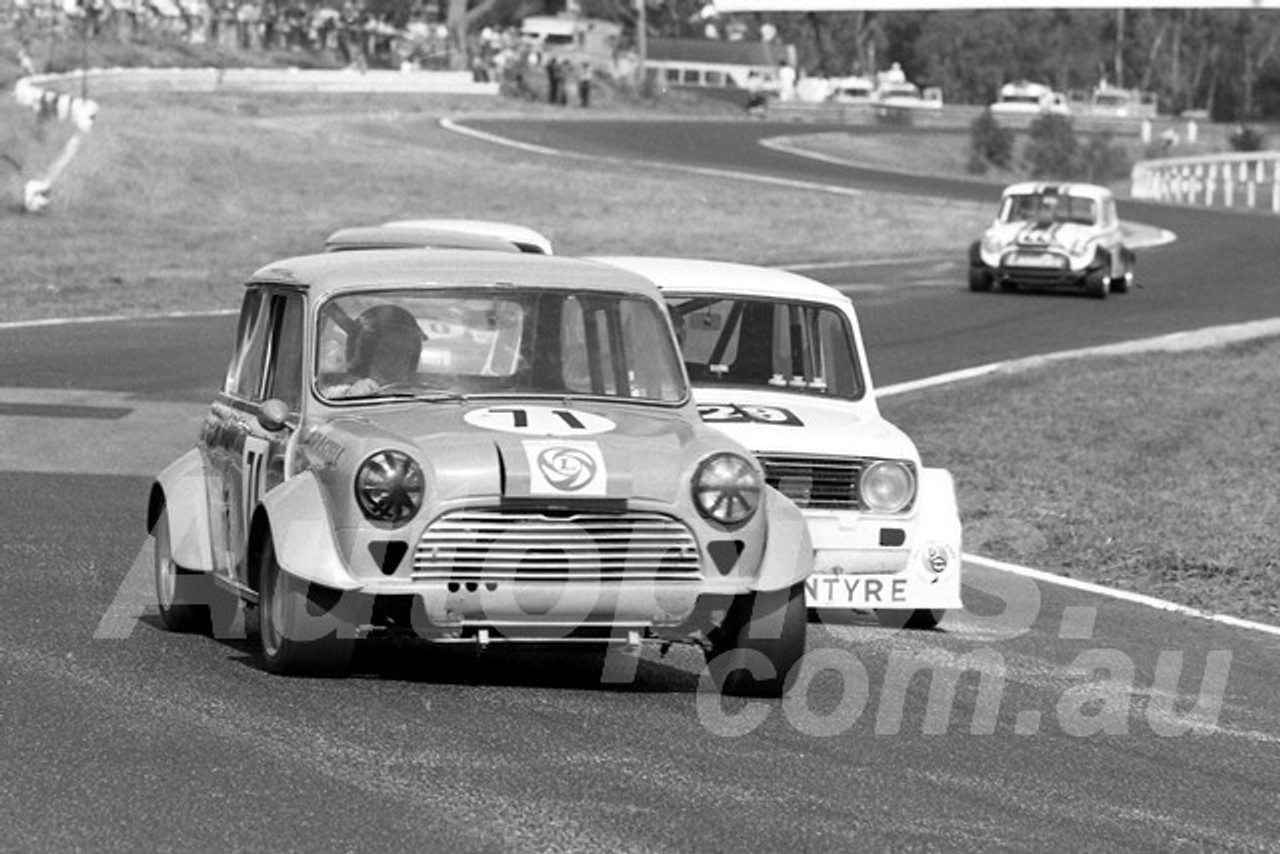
{"x": 385, "y": 345}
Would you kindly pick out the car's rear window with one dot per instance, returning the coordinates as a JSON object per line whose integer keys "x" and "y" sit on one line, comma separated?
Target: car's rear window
{"x": 499, "y": 341}
{"x": 773, "y": 344}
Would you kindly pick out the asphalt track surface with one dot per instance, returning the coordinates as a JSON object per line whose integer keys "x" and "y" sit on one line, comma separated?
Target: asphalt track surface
{"x": 1042, "y": 718}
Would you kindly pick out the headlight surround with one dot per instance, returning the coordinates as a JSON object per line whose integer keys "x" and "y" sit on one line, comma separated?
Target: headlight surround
{"x": 1082, "y": 248}
{"x": 887, "y": 486}
{"x": 991, "y": 244}
{"x": 389, "y": 487}
{"x": 726, "y": 488}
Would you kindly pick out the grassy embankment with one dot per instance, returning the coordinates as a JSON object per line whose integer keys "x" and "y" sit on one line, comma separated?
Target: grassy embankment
{"x": 1161, "y": 481}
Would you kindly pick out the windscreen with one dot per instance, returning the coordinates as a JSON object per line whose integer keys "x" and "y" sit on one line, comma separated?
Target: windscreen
{"x": 800, "y": 347}
{"x": 1049, "y": 207}
{"x": 495, "y": 341}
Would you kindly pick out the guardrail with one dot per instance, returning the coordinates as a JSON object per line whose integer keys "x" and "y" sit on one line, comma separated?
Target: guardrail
{"x": 1242, "y": 180}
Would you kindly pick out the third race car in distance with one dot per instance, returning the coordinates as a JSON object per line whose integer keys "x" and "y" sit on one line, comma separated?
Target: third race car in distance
{"x": 1059, "y": 236}
{"x": 777, "y": 362}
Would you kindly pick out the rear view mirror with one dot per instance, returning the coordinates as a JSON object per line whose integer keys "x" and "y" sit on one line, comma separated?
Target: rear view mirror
{"x": 273, "y": 414}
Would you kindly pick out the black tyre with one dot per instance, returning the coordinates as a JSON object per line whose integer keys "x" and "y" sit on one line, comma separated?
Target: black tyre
{"x": 1124, "y": 283}
{"x": 300, "y": 626}
{"x": 761, "y": 639}
{"x": 1097, "y": 284}
{"x": 920, "y": 618}
{"x": 979, "y": 279}
{"x": 183, "y": 596}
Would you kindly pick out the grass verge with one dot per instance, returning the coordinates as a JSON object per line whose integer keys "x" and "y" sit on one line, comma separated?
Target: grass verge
{"x": 1153, "y": 473}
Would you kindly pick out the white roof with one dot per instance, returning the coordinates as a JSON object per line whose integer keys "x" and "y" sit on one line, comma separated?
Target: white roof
{"x": 1089, "y": 191}
{"x": 511, "y": 232}
{"x": 724, "y": 277}
{"x": 1025, "y": 87}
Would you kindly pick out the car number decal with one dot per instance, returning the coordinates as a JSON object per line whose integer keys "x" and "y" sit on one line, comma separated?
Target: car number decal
{"x": 559, "y": 467}
{"x": 539, "y": 420}
{"x": 733, "y": 413}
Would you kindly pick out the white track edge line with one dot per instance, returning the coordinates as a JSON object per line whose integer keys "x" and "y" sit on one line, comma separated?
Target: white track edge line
{"x": 450, "y": 125}
{"x": 1124, "y": 595}
{"x": 116, "y": 318}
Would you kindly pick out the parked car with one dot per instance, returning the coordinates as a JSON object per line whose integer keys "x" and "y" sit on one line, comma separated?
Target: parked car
{"x": 1023, "y": 97}
{"x": 1047, "y": 235}
{"x": 853, "y": 90}
{"x": 473, "y": 447}
{"x": 777, "y": 362}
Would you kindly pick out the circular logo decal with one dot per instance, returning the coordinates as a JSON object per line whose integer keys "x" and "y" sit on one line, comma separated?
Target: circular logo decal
{"x": 567, "y": 468}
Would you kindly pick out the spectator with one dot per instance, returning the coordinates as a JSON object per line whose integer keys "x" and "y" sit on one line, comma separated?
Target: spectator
{"x": 584, "y": 85}
{"x": 555, "y": 79}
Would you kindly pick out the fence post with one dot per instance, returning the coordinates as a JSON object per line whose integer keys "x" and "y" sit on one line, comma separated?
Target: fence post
{"x": 1275, "y": 186}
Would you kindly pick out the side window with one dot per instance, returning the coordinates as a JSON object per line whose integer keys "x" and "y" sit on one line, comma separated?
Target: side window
{"x": 244, "y": 375}
{"x": 284, "y": 380}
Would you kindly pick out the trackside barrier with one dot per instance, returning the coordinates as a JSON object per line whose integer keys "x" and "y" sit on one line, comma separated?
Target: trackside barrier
{"x": 1242, "y": 180}
{"x": 81, "y": 112}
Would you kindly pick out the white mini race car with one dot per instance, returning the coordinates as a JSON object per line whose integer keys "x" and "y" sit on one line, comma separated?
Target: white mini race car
{"x": 777, "y": 362}
{"x": 1059, "y": 236}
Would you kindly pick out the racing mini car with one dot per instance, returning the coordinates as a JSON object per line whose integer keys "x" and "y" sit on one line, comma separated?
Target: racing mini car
{"x": 473, "y": 447}
{"x": 777, "y": 362}
{"x": 1064, "y": 236}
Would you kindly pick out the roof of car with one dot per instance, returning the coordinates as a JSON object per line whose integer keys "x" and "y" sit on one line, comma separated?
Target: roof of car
{"x": 412, "y": 237}
{"x": 527, "y": 239}
{"x": 724, "y": 277}
{"x": 397, "y": 268}
{"x": 1026, "y": 188}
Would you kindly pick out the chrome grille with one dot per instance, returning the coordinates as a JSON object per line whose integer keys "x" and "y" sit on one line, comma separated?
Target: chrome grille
{"x": 829, "y": 483}
{"x": 491, "y": 545}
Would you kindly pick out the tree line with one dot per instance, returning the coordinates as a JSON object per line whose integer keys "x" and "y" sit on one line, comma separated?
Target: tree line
{"x": 1224, "y": 61}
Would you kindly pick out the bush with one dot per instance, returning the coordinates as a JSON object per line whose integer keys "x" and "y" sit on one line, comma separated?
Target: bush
{"x": 1103, "y": 161}
{"x": 1052, "y": 150}
{"x": 989, "y": 142}
{"x": 1245, "y": 138}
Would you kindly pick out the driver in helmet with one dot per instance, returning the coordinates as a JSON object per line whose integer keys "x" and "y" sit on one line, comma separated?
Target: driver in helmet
{"x": 383, "y": 349}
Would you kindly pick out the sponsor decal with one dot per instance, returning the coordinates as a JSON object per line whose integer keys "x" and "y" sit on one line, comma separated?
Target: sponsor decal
{"x": 854, "y": 591}
{"x": 539, "y": 420}
{"x": 939, "y": 558}
{"x": 733, "y": 413}
{"x": 566, "y": 468}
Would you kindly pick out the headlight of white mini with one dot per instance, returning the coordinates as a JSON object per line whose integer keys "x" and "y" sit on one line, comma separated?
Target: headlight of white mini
{"x": 726, "y": 488}
{"x": 389, "y": 487}
{"x": 887, "y": 486}
{"x": 991, "y": 244}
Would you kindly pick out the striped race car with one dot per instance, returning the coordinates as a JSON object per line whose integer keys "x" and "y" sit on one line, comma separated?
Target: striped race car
{"x": 1054, "y": 236}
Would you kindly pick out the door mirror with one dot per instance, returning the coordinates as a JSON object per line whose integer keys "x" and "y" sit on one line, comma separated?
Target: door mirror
{"x": 273, "y": 414}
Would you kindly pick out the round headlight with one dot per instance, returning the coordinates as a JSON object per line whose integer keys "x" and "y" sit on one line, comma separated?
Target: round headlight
{"x": 389, "y": 487}
{"x": 726, "y": 488}
{"x": 887, "y": 486}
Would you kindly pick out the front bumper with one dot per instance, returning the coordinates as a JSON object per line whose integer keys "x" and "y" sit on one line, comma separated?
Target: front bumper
{"x": 1061, "y": 275}
{"x": 865, "y": 562}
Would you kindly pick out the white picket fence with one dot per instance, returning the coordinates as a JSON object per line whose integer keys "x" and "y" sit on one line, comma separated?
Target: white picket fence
{"x": 1244, "y": 180}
